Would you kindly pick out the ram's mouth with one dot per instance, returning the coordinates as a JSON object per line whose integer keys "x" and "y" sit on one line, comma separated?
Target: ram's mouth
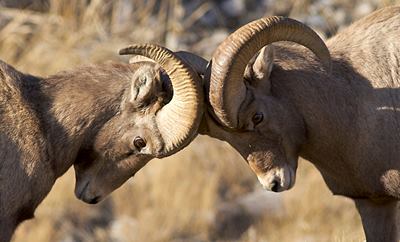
{"x": 278, "y": 179}
{"x": 82, "y": 193}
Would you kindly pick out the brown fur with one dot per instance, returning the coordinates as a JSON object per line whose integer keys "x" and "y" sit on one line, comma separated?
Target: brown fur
{"x": 346, "y": 123}
{"x": 88, "y": 116}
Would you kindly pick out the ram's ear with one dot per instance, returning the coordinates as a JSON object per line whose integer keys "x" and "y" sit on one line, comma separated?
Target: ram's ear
{"x": 260, "y": 66}
{"x": 145, "y": 86}
{"x": 264, "y": 62}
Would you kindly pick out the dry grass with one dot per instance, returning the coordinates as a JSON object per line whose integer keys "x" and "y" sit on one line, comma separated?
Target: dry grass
{"x": 172, "y": 199}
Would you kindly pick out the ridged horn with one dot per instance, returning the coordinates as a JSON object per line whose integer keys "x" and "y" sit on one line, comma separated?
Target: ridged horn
{"x": 198, "y": 63}
{"x": 227, "y": 90}
{"x": 178, "y": 120}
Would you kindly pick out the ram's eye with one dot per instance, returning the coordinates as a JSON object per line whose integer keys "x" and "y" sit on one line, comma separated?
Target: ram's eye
{"x": 139, "y": 142}
{"x": 257, "y": 118}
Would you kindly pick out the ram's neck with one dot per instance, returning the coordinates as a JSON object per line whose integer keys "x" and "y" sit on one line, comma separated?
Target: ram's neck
{"x": 325, "y": 102}
{"x": 75, "y": 104}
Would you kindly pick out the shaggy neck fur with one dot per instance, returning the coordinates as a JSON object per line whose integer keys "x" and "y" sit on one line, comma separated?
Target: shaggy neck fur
{"x": 74, "y": 105}
{"x": 44, "y": 122}
{"x": 344, "y": 115}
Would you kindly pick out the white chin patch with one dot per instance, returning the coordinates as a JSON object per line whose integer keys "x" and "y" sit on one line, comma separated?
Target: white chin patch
{"x": 278, "y": 179}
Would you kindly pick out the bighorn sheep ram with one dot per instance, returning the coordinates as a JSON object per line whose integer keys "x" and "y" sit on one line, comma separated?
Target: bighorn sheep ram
{"x": 340, "y": 111}
{"x": 108, "y": 120}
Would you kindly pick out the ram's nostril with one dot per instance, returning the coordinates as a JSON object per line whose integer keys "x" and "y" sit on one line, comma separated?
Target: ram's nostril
{"x": 275, "y": 186}
{"x": 94, "y": 200}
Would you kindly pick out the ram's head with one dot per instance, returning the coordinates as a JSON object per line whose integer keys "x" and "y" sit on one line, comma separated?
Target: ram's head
{"x": 249, "y": 104}
{"x": 159, "y": 114}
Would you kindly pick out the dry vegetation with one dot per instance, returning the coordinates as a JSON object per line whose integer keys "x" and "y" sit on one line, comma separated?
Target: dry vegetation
{"x": 174, "y": 199}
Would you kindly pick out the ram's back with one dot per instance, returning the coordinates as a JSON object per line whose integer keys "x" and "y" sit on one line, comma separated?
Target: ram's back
{"x": 372, "y": 46}
{"x": 21, "y": 139}
{"x": 367, "y": 61}
{"x": 17, "y": 118}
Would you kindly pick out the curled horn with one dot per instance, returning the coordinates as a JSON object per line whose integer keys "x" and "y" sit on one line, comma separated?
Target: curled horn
{"x": 178, "y": 120}
{"x": 227, "y": 90}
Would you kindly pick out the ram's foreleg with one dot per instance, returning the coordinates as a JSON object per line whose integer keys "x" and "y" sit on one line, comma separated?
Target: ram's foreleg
{"x": 379, "y": 219}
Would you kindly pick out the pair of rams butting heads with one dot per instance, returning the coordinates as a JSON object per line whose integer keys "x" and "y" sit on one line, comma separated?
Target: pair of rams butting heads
{"x": 225, "y": 88}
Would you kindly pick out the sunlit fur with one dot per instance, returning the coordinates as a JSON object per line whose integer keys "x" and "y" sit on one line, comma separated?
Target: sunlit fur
{"x": 346, "y": 123}
{"x": 88, "y": 117}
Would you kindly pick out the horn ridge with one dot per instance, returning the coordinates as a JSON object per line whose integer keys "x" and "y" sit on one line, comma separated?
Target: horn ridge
{"x": 177, "y": 121}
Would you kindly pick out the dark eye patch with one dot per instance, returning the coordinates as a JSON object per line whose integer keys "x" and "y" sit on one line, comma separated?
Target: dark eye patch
{"x": 139, "y": 142}
{"x": 258, "y": 118}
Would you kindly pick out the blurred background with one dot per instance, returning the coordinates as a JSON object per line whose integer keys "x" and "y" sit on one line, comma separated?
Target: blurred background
{"x": 206, "y": 192}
